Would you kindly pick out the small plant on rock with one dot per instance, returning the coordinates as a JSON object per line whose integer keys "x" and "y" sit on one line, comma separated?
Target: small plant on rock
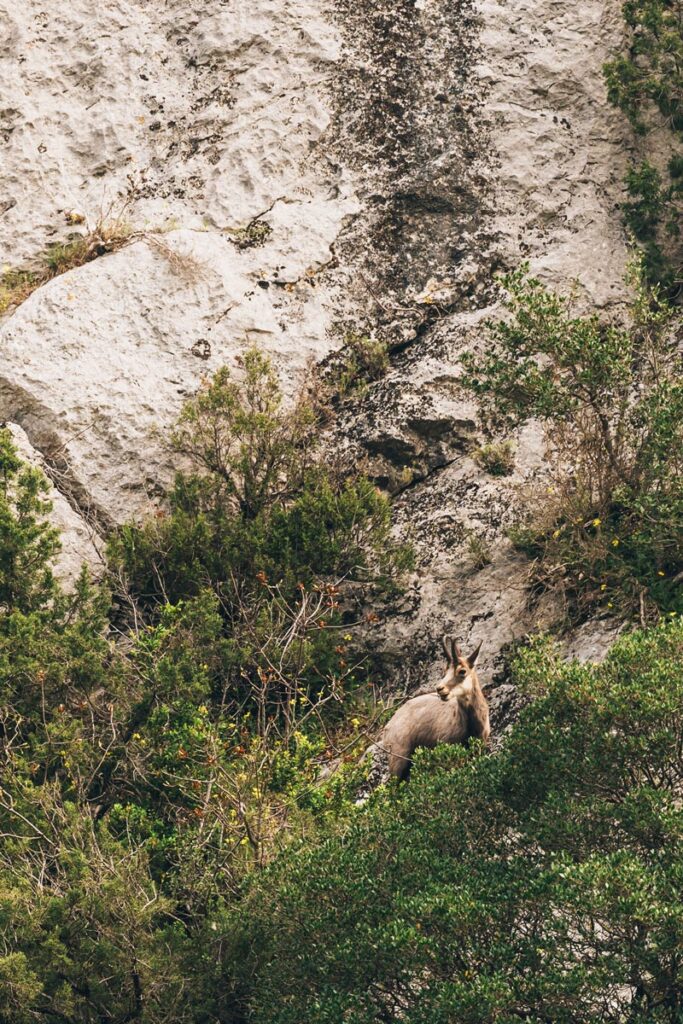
{"x": 15, "y": 286}
{"x": 478, "y": 551}
{"x": 108, "y": 235}
{"x": 498, "y": 459}
{"x": 362, "y": 360}
{"x": 256, "y": 233}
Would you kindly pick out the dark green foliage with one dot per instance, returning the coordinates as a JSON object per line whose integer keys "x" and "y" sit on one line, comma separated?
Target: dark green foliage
{"x": 651, "y": 73}
{"x": 26, "y": 581}
{"x": 646, "y": 82}
{"x": 153, "y": 755}
{"x": 653, "y": 217}
{"x": 95, "y": 940}
{"x": 260, "y": 502}
{"x": 85, "y": 933}
{"x": 539, "y": 885}
{"x": 609, "y": 528}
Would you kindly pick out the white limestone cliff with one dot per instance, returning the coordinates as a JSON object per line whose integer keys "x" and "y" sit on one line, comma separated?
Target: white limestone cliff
{"x": 393, "y": 157}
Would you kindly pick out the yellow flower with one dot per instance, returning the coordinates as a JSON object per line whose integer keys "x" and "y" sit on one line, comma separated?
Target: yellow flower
{"x": 660, "y": 573}
{"x": 597, "y": 522}
{"x": 556, "y": 534}
{"x": 603, "y": 587}
{"x": 610, "y": 605}
{"x": 355, "y": 722}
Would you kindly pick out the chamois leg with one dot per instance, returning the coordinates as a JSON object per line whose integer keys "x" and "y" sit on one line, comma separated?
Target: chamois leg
{"x": 399, "y": 765}
{"x": 478, "y": 725}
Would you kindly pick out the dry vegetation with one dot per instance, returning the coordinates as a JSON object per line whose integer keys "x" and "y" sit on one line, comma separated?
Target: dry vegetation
{"x": 109, "y": 234}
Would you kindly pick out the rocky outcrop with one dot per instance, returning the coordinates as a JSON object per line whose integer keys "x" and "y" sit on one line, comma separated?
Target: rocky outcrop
{"x": 284, "y": 170}
{"x": 79, "y": 540}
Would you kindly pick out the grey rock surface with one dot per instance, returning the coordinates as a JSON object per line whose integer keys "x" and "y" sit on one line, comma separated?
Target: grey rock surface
{"x": 288, "y": 168}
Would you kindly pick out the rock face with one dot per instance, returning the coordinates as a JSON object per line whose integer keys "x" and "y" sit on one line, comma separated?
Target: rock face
{"x": 203, "y": 133}
{"x": 80, "y": 542}
{"x": 286, "y": 168}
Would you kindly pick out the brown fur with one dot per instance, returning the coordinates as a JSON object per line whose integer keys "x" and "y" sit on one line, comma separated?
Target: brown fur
{"x": 457, "y": 711}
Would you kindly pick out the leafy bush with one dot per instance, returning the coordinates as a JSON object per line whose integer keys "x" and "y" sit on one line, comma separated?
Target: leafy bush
{"x": 260, "y": 504}
{"x": 646, "y": 82}
{"x": 539, "y": 885}
{"x": 90, "y": 935}
{"x": 650, "y": 74}
{"x": 85, "y": 932}
{"x": 28, "y": 543}
{"x": 154, "y": 752}
{"x": 652, "y": 215}
{"x": 610, "y": 526}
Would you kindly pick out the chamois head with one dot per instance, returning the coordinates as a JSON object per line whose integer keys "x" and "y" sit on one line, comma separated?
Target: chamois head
{"x": 460, "y": 677}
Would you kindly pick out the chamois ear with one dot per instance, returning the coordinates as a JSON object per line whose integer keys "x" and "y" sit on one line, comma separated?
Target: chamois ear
{"x": 448, "y": 649}
{"x": 474, "y": 655}
{"x": 457, "y": 652}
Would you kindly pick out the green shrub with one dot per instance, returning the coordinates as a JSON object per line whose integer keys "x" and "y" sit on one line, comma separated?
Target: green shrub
{"x": 260, "y": 504}
{"x": 154, "y": 753}
{"x": 28, "y": 542}
{"x": 363, "y": 360}
{"x": 650, "y": 74}
{"x": 498, "y": 459}
{"x": 92, "y": 939}
{"x": 646, "y": 82}
{"x": 652, "y": 216}
{"x": 86, "y": 933}
{"x": 541, "y": 884}
{"x": 609, "y": 528}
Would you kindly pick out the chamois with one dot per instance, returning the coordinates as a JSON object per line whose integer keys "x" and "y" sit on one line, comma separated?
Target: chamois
{"x": 454, "y": 713}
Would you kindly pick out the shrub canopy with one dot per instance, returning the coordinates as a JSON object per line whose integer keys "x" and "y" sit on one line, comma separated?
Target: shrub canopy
{"x": 608, "y": 525}
{"x": 542, "y": 884}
